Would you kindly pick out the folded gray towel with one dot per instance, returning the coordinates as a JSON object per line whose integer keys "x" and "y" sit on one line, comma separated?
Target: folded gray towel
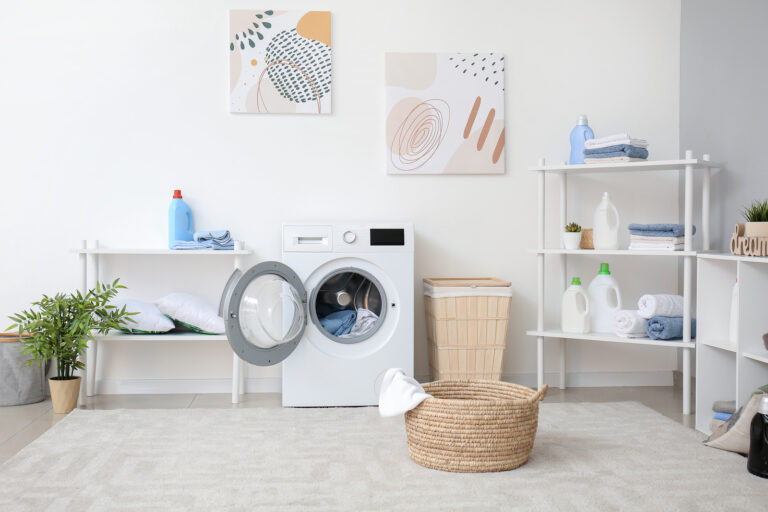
{"x": 726, "y": 406}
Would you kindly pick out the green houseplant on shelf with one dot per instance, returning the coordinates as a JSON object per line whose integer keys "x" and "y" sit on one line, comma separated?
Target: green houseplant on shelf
{"x": 60, "y": 327}
{"x": 572, "y": 236}
{"x": 756, "y": 215}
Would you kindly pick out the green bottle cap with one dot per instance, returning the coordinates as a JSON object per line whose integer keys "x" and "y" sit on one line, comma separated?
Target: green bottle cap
{"x": 604, "y": 270}
{"x": 576, "y": 281}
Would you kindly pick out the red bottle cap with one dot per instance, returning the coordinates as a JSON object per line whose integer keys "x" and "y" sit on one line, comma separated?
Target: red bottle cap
{"x": 177, "y": 194}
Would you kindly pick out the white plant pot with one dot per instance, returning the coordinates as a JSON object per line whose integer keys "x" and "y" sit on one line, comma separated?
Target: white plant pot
{"x": 571, "y": 241}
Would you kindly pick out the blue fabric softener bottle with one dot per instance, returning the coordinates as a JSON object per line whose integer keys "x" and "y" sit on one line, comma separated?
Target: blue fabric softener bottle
{"x": 180, "y": 224}
{"x": 580, "y": 134}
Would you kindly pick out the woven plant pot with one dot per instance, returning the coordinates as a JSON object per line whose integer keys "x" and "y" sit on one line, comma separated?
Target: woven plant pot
{"x": 474, "y": 426}
{"x": 64, "y": 394}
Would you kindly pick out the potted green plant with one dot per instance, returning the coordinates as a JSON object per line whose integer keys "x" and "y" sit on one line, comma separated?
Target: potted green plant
{"x": 572, "y": 236}
{"x": 756, "y": 215}
{"x": 60, "y": 327}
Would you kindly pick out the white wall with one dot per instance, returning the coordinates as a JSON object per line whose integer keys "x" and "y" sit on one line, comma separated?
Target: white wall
{"x": 106, "y": 107}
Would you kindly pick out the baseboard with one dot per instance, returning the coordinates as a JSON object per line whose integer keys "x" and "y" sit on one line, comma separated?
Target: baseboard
{"x": 274, "y": 384}
{"x": 174, "y": 386}
{"x": 590, "y": 379}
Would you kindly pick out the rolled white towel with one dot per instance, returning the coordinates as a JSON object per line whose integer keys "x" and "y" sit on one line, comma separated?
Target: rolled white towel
{"x": 660, "y": 305}
{"x": 399, "y": 393}
{"x": 629, "y": 324}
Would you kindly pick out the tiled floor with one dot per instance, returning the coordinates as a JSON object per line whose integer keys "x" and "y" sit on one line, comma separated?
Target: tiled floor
{"x": 21, "y": 425}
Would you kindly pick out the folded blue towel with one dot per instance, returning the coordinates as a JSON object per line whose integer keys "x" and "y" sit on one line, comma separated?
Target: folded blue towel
{"x": 339, "y": 322}
{"x": 722, "y": 416}
{"x": 207, "y": 240}
{"x": 668, "y": 328}
{"x": 618, "y": 150}
{"x": 666, "y": 230}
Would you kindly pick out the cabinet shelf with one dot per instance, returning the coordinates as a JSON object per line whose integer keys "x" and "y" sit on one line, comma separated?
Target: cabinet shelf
{"x": 648, "y": 165}
{"x": 611, "y": 338}
{"x": 762, "y": 358}
{"x": 161, "y": 252}
{"x": 722, "y": 345}
{"x": 613, "y": 252}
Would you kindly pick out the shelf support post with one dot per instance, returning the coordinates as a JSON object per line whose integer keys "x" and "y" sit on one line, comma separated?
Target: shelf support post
{"x": 81, "y": 399}
{"x": 91, "y": 351}
{"x": 705, "y": 194}
{"x": 238, "y": 368}
{"x": 687, "y": 263}
{"x": 540, "y": 280}
{"x": 563, "y": 268}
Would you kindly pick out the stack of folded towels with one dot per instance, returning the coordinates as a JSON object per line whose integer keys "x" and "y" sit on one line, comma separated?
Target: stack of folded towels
{"x": 657, "y": 237}
{"x": 615, "y": 148}
{"x": 723, "y": 410}
{"x": 659, "y": 317}
{"x": 207, "y": 240}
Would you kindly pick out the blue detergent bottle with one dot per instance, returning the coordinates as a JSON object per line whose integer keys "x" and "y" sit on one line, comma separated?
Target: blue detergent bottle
{"x": 580, "y": 134}
{"x": 180, "y": 224}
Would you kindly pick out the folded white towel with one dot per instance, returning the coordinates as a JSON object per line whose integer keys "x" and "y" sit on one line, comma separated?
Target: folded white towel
{"x": 660, "y": 305}
{"x": 613, "y": 159}
{"x": 651, "y": 246}
{"x": 629, "y": 323}
{"x": 399, "y": 393}
{"x": 615, "y": 140}
{"x": 658, "y": 239}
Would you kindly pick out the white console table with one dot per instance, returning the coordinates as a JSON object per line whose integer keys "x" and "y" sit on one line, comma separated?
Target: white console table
{"x": 90, "y": 256}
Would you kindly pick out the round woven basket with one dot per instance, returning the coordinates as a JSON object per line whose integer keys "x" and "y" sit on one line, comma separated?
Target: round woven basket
{"x": 474, "y": 426}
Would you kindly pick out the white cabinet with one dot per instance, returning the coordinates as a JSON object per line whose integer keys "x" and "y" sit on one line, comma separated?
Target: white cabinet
{"x": 726, "y": 370}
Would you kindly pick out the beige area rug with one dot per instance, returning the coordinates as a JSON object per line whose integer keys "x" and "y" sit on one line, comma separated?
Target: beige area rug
{"x": 592, "y": 456}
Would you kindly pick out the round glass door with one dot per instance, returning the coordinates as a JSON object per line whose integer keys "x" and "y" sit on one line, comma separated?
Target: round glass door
{"x": 265, "y": 313}
{"x": 348, "y": 305}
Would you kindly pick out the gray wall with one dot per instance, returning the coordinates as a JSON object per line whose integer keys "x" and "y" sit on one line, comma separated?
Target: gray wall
{"x": 724, "y": 101}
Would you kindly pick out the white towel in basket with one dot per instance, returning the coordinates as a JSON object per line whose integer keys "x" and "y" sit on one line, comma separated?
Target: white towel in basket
{"x": 399, "y": 393}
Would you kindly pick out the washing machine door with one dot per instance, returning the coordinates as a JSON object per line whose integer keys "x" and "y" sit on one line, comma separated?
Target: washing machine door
{"x": 265, "y": 312}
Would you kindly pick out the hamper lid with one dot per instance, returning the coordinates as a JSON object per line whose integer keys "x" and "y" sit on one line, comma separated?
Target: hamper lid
{"x": 11, "y": 337}
{"x": 467, "y": 287}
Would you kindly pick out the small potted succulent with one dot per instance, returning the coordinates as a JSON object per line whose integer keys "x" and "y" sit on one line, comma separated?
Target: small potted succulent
{"x": 572, "y": 236}
{"x": 756, "y": 216}
{"x": 60, "y": 327}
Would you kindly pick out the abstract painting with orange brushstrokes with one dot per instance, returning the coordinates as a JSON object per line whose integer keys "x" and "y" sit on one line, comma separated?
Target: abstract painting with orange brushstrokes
{"x": 444, "y": 113}
{"x": 279, "y": 61}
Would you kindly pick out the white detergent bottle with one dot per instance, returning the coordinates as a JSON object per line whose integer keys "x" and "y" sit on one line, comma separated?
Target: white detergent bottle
{"x": 605, "y": 234}
{"x": 575, "y": 309}
{"x": 604, "y": 300}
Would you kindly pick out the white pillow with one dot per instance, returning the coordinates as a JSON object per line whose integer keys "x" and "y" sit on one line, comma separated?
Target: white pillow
{"x": 191, "y": 312}
{"x": 149, "y": 320}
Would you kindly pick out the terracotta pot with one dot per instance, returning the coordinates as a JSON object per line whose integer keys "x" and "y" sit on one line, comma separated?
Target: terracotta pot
{"x": 756, "y": 229}
{"x": 64, "y": 394}
{"x": 571, "y": 241}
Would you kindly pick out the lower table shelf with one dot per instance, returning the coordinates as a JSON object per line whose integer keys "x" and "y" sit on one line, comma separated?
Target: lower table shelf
{"x": 609, "y": 337}
{"x": 176, "y": 336}
{"x": 762, "y": 358}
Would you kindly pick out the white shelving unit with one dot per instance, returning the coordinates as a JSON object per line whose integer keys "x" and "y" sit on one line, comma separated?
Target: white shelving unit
{"x": 90, "y": 257}
{"x": 542, "y": 332}
{"x": 726, "y": 370}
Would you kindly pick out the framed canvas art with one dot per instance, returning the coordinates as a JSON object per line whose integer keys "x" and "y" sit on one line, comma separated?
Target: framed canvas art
{"x": 280, "y": 61}
{"x": 445, "y": 113}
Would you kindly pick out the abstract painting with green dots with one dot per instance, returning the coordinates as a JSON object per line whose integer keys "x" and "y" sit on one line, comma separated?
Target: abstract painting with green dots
{"x": 279, "y": 62}
{"x": 445, "y": 113}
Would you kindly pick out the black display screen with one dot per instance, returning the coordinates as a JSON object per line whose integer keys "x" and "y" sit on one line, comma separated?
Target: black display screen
{"x": 387, "y": 237}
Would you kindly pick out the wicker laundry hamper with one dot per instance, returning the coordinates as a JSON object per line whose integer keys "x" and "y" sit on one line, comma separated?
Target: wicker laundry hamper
{"x": 467, "y": 323}
{"x": 474, "y": 426}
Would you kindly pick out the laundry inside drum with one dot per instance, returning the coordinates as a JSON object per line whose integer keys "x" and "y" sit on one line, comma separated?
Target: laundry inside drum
{"x": 349, "y": 306}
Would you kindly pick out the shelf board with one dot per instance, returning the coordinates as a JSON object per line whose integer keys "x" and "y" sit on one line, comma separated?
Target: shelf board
{"x": 731, "y": 257}
{"x": 762, "y": 358}
{"x": 185, "y": 336}
{"x": 616, "y": 252}
{"x": 721, "y": 345}
{"x": 650, "y": 165}
{"x": 611, "y": 338}
{"x": 157, "y": 252}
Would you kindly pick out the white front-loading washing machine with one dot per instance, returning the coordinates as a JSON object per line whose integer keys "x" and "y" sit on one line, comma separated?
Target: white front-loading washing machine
{"x": 337, "y": 311}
